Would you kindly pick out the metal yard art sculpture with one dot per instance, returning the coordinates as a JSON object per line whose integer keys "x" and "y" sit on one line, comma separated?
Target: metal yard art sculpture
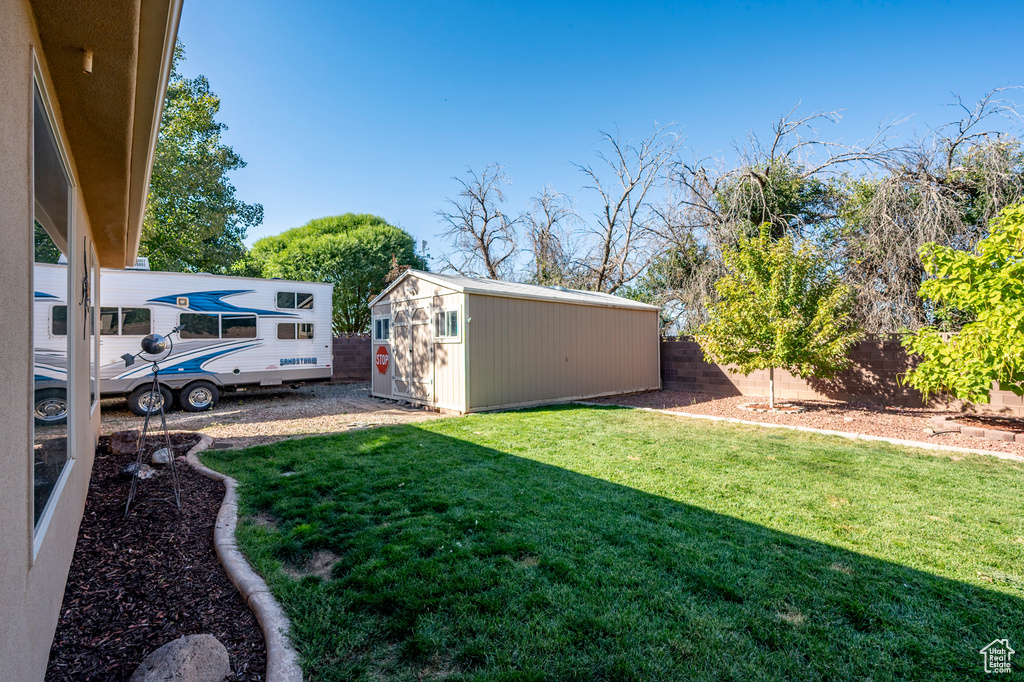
{"x": 155, "y": 348}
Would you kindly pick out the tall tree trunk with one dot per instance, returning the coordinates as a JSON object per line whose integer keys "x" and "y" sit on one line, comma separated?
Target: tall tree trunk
{"x": 771, "y": 388}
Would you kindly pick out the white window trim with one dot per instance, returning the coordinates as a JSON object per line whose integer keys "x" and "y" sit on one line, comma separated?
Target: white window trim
{"x": 373, "y": 327}
{"x": 457, "y": 309}
{"x": 37, "y": 530}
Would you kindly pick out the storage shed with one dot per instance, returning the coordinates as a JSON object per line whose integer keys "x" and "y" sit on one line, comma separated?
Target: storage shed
{"x": 462, "y": 344}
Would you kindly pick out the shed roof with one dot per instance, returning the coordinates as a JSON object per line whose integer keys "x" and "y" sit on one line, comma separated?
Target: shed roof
{"x": 493, "y": 287}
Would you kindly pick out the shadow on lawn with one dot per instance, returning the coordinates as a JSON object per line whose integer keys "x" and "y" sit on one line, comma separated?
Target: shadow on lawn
{"x": 462, "y": 560}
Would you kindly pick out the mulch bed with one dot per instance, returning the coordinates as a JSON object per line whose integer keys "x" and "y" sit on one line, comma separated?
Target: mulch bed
{"x": 138, "y": 583}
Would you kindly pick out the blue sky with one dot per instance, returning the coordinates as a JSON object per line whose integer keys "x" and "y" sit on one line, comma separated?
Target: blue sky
{"x": 373, "y": 107}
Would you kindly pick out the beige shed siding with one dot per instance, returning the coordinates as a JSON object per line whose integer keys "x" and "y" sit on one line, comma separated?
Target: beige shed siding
{"x": 527, "y": 351}
{"x": 447, "y": 366}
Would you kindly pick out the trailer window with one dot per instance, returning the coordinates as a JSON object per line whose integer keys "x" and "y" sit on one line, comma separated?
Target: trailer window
{"x": 446, "y": 324}
{"x": 135, "y": 321}
{"x": 238, "y": 326}
{"x": 294, "y": 300}
{"x": 293, "y": 330}
{"x": 59, "y": 323}
{"x": 108, "y": 321}
{"x": 199, "y": 326}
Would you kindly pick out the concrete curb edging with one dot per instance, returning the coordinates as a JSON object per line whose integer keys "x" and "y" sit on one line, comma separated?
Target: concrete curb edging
{"x": 827, "y": 432}
{"x": 282, "y": 658}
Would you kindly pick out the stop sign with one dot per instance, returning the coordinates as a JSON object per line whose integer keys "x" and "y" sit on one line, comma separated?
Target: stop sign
{"x": 381, "y": 359}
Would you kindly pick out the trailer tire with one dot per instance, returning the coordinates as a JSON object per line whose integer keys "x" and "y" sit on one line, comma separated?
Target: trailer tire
{"x": 141, "y": 402}
{"x": 51, "y": 406}
{"x": 199, "y": 396}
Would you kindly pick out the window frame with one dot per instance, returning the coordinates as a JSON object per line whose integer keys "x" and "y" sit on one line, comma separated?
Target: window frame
{"x": 446, "y": 311}
{"x": 373, "y": 328}
{"x": 295, "y": 329}
{"x": 295, "y": 299}
{"x": 37, "y": 529}
{"x": 220, "y": 326}
{"x": 120, "y": 319}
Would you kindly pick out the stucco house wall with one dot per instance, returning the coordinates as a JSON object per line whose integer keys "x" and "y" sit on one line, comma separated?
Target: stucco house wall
{"x": 34, "y": 562}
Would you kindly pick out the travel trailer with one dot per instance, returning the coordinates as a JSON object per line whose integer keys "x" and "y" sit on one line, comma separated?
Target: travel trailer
{"x": 224, "y": 332}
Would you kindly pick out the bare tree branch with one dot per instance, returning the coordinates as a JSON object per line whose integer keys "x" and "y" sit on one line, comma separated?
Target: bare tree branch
{"x": 484, "y": 237}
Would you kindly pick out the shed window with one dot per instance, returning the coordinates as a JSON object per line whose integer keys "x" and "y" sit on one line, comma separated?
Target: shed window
{"x": 294, "y": 330}
{"x": 294, "y": 300}
{"x": 382, "y": 329}
{"x": 446, "y": 324}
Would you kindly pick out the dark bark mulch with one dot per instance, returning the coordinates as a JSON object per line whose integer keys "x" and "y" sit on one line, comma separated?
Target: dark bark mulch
{"x": 138, "y": 583}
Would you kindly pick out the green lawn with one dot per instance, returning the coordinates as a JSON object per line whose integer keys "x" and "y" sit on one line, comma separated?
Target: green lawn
{"x": 605, "y": 544}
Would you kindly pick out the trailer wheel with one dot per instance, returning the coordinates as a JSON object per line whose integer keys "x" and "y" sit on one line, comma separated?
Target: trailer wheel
{"x": 51, "y": 406}
{"x": 143, "y": 401}
{"x": 199, "y": 396}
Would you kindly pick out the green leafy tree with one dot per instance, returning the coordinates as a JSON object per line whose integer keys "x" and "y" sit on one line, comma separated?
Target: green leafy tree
{"x": 356, "y": 253}
{"x": 779, "y": 306}
{"x": 193, "y": 221}
{"x": 987, "y": 283}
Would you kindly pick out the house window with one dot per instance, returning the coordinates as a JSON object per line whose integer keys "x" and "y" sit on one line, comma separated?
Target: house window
{"x": 203, "y": 326}
{"x": 291, "y": 300}
{"x": 294, "y": 330}
{"x": 94, "y": 332}
{"x": 51, "y": 403}
{"x": 382, "y": 329}
{"x": 446, "y": 324}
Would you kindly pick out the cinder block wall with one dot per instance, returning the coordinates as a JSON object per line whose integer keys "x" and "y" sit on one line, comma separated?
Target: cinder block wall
{"x": 351, "y": 358}
{"x": 879, "y": 362}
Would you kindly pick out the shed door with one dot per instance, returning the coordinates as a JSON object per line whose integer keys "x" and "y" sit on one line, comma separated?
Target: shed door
{"x": 413, "y": 347}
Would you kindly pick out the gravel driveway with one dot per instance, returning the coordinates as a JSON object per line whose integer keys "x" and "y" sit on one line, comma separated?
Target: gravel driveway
{"x": 266, "y": 415}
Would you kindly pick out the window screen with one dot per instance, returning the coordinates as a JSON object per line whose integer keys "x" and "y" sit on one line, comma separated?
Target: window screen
{"x": 238, "y": 326}
{"x": 59, "y": 326}
{"x": 135, "y": 321}
{"x": 286, "y": 330}
{"x": 108, "y": 321}
{"x": 199, "y": 326}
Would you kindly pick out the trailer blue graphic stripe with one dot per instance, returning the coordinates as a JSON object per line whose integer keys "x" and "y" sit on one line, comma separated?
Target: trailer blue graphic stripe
{"x": 210, "y": 302}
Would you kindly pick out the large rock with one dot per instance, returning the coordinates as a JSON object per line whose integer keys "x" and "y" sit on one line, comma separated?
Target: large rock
{"x": 195, "y": 658}
{"x": 124, "y": 442}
